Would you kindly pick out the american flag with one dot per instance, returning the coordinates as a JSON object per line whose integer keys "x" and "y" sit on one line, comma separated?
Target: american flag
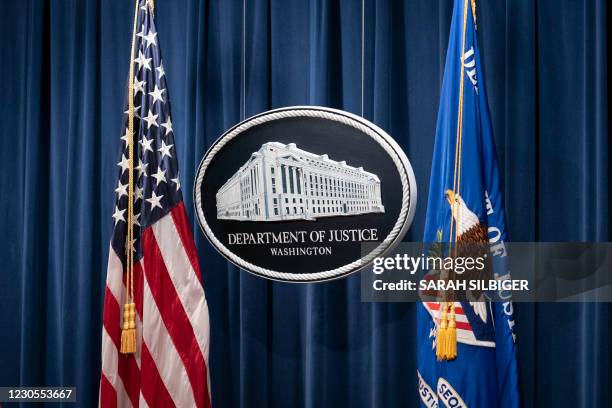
{"x": 170, "y": 366}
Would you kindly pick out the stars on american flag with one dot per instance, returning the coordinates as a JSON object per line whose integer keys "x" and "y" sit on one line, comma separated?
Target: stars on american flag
{"x": 151, "y": 119}
{"x": 141, "y": 168}
{"x": 157, "y": 94}
{"x": 160, "y": 71}
{"x": 155, "y": 200}
{"x": 126, "y": 136}
{"x": 167, "y": 125}
{"x": 118, "y": 215}
{"x": 124, "y": 163}
{"x": 138, "y": 193}
{"x": 138, "y": 87}
{"x": 142, "y": 61}
{"x": 150, "y": 38}
{"x": 121, "y": 189}
{"x": 165, "y": 149}
{"x": 157, "y": 186}
{"x": 160, "y": 176}
{"x": 146, "y": 144}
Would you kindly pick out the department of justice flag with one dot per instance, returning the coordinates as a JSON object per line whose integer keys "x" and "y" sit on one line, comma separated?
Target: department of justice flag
{"x": 484, "y": 372}
{"x": 170, "y": 364}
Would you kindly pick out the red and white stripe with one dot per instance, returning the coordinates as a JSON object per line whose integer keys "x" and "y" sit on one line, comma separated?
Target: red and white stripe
{"x": 170, "y": 367}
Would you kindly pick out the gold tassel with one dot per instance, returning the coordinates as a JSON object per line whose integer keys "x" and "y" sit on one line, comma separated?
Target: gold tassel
{"x": 125, "y": 328}
{"x": 442, "y": 333}
{"x": 451, "y": 335}
{"x": 128, "y": 331}
{"x": 446, "y": 341}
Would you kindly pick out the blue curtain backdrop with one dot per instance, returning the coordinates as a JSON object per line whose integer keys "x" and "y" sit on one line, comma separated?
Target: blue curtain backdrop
{"x": 63, "y": 66}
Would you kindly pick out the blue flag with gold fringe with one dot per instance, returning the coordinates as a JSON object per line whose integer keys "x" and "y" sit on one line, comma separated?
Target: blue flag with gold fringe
{"x": 465, "y": 203}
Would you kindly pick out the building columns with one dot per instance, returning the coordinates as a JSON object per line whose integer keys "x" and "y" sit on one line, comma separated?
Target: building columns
{"x": 287, "y": 182}
{"x": 294, "y": 178}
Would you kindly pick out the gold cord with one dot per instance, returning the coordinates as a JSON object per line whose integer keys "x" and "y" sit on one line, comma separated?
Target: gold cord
{"x": 473, "y": 12}
{"x": 128, "y": 333}
{"x": 446, "y": 342}
{"x": 459, "y": 135}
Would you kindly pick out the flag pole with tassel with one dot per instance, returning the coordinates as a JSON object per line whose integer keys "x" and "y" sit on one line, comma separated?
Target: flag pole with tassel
{"x": 128, "y": 329}
{"x": 446, "y": 339}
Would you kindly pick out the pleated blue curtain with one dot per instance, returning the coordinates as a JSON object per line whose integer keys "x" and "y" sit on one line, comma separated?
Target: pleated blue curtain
{"x": 63, "y": 67}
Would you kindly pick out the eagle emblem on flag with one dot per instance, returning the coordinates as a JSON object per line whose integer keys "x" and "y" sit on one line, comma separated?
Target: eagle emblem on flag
{"x": 473, "y": 358}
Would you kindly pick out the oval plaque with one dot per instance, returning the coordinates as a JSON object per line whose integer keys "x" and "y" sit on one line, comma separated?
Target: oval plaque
{"x": 293, "y": 194}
